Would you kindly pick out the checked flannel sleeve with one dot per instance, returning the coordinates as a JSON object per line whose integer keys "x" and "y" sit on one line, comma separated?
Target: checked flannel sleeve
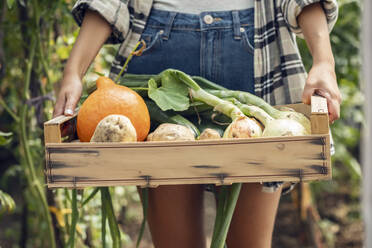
{"x": 115, "y": 12}
{"x": 292, "y": 8}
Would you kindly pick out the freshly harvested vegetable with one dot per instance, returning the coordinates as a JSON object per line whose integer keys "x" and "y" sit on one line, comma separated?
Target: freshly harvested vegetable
{"x": 248, "y": 98}
{"x": 243, "y": 128}
{"x": 209, "y": 134}
{"x": 114, "y": 128}
{"x": 172, "y": 89}
{"x": 284, "y": 127}
{"x": 171, "y": 132}
{"x": 273, "y": 127}
{"x": 157, "y": 115}
{"x": 110, "y": 98}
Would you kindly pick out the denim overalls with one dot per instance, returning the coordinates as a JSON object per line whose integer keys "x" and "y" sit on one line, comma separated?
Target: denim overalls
{"x": 214, "y": 45}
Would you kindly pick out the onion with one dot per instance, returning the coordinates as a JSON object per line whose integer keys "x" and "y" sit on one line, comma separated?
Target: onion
{"x": 283, "y": 127}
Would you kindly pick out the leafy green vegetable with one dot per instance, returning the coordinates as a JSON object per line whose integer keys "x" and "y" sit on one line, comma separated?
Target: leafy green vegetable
{"x": 167, "y": 96}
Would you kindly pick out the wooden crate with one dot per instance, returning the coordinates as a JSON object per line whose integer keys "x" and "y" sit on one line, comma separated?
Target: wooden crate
{"x": 70, "y": 163}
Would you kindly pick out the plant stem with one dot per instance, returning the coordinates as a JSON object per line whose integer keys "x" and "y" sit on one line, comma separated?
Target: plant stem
{"x": 247, "y": 98}
{"x": 220, "y": 211}
{"x": 94, "y": 192}
{"x": 39, "y": 43}
{"x": 104, "y": 218}
{"x": 145, "y": 199}
{"x": 74, "y": 218}
{"x": 31, "y": 175}
{"x": 7, "y": 109}
{"x": 229, "y": 211}
{"x": 253, "y": 111}
{"x": 126, "y": 62}
{"x": 225, "y": 107}
{"x": 114, "y": 228}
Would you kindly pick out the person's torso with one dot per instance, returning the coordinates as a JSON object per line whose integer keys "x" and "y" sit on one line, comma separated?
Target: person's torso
{"x": 198, "y": 6}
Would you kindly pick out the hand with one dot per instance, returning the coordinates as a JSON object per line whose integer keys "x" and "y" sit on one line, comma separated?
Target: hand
{"x": 322, "y": 81}
{"x": 69, "y": 95}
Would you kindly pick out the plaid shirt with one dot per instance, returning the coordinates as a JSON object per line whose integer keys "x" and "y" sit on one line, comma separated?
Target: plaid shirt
{"x": 279, "y": 73}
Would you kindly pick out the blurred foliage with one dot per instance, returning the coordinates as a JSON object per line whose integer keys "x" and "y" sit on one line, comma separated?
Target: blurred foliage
{"x": 36, "y": 37}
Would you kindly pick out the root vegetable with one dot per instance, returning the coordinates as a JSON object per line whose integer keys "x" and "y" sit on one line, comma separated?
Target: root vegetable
{"x": 114, "y": 128}
{"x": 209, "y": 134}
{"x": 169, "y": 132}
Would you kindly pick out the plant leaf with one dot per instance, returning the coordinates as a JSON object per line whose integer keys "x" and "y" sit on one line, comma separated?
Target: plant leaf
{"x": 5, "y": 138}
{"x": 6, "y": 203}
{"x": 10, "y": 3}
{"x": 172, "y": 95}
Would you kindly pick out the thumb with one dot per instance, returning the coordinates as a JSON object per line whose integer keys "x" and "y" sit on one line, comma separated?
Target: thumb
{"x": 306, "y": 95}
{"x": 70, "y": 106}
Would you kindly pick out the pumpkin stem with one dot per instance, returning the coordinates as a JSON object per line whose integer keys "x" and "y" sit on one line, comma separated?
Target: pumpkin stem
{"x": 134, "y": 52}
{"x": 103, "y": 82}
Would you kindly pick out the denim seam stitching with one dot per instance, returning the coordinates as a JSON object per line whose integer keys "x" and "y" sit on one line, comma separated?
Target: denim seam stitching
{"x": 197, "y": 29}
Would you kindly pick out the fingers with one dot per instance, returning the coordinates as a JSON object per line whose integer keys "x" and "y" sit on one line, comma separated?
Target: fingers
{"x": 333, "y": 110}
{"x": 333, "y": 103}
{"x": 69, "y": 96}
{"x": 60, "y": 105}
{"x": 71, "y": 101}
{"x": 306, "y": 95}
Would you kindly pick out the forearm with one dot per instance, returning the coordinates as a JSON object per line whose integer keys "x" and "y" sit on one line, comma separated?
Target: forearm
{"x": 322, "y": 77}
{"x": 93, "y": 33}
{"x": 313, "y": 23}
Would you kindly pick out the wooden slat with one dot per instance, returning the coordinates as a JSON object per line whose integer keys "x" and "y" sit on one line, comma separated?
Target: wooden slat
{"x": 154, "y": 163}
{"x": 60, "y": 129}
{"x": 319, "y": 105}
{"x": 60, "y": 119}
{"x": 52, "y": 134}
{"x": 319, "y": 115}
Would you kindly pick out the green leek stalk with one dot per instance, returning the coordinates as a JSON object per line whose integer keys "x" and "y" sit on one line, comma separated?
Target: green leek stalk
{"x": 248, "y": 98}
{"x": 220, "y": 238}
{"x": 221, "y": 199}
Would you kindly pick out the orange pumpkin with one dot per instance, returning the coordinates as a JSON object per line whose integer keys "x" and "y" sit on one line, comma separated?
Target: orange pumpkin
{"x": 111, "y": 98}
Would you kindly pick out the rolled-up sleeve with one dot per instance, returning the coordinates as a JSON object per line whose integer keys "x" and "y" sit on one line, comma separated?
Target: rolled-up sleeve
{"x": 115, "y": 12}
{"x": 291, "y": 9}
